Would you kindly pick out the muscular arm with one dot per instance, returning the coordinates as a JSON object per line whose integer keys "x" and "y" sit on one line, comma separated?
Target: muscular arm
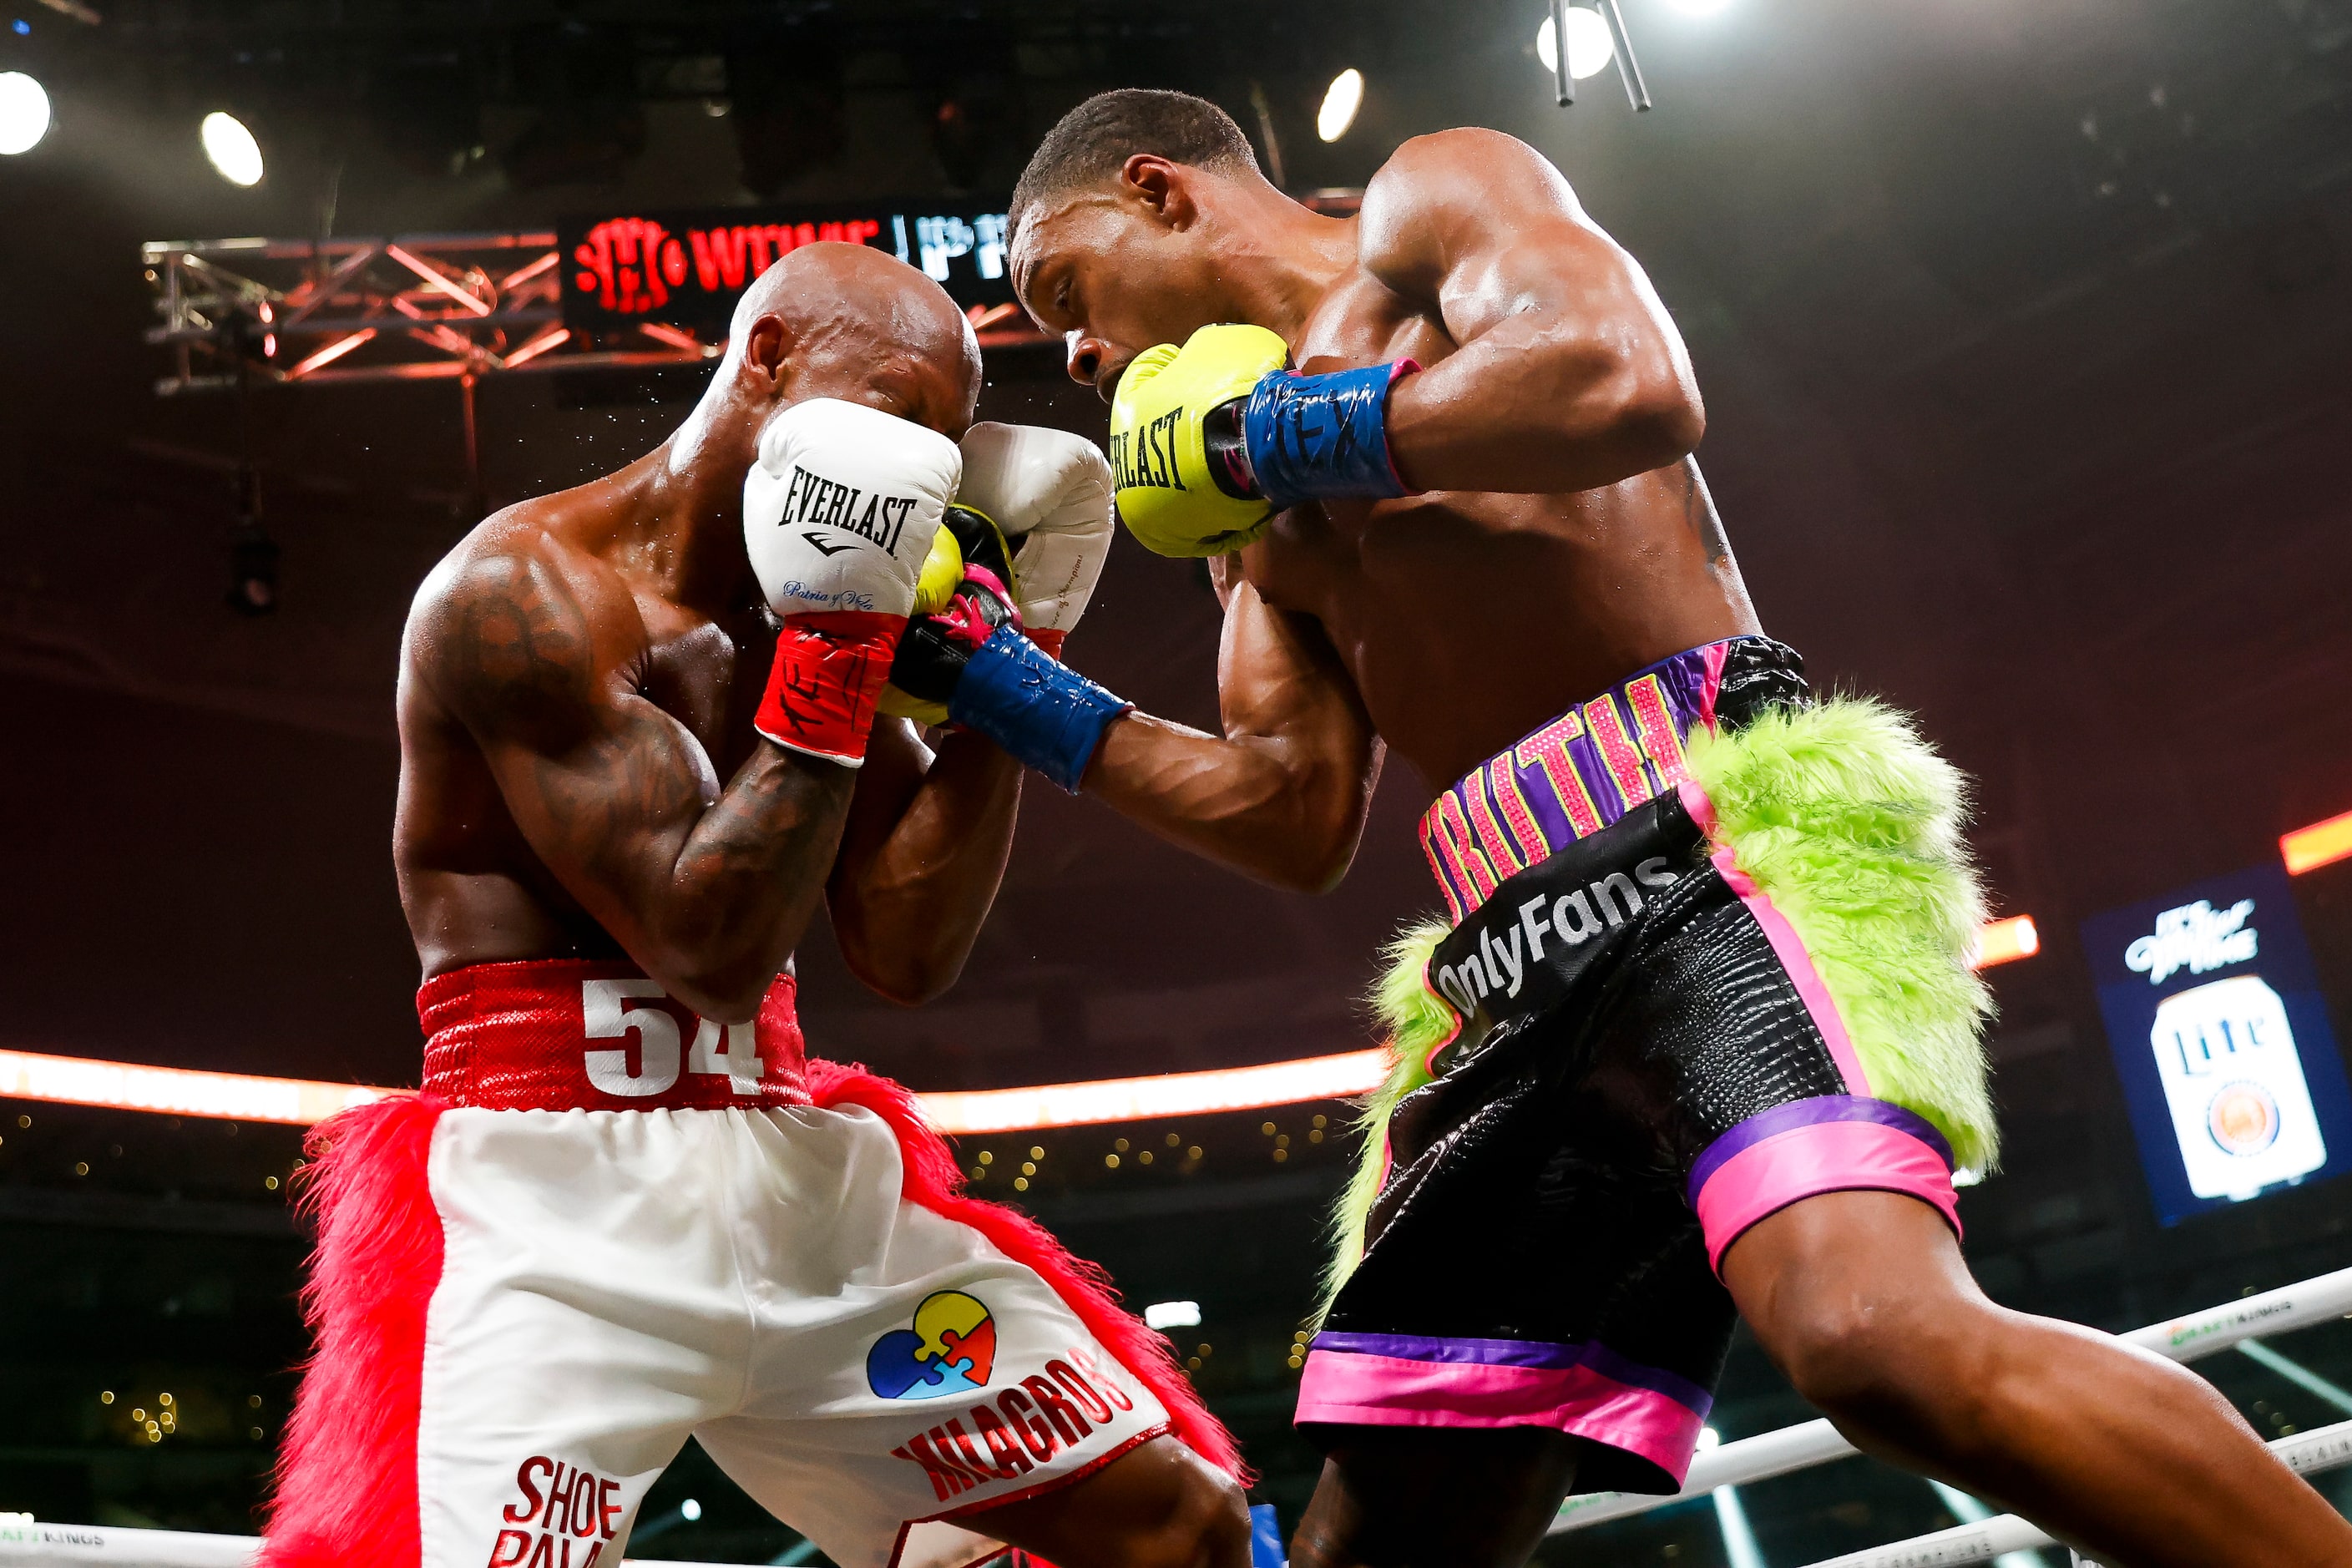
{"x": 920, "y": 863}
{"x": 1281, "y": 796}
{"x": 1569, "y": 373}
{"x": 709, "y": 888}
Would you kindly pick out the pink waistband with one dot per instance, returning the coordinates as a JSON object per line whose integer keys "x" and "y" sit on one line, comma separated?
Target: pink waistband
{"x": 566, "y": 1034}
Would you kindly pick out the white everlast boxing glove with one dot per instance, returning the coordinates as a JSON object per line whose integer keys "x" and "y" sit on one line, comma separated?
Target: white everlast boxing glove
{"x": 1049, "y": 492}
{"x": 838, "y": 515}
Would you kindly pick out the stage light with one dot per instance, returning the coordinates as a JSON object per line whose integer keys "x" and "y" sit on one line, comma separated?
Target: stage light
{"x": 236, "y": 155}
{"x": 1698, "y": 8}
{"x": 2005, "y": 941}
{"x": 2321, "y": 844}
{"x": 1340, "y": 102}
{"x": 689, "y": 1511}
{"x": 1172, "y": 1315}
{"x": 24, "y": 112}
{"x": 1590, "y": 47}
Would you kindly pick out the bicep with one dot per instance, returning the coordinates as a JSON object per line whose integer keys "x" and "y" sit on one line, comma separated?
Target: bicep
{"x": 1279, "y": 678}
{"x": 602, "y": 784}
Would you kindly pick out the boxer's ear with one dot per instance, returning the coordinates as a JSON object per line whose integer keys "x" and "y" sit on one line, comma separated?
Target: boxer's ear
{"x": 767, "y": 352}
{"x": 1160, "y": 188}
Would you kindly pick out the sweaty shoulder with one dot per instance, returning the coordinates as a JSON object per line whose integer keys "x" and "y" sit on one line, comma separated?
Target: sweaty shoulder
{"x": 515, "y": 630}
{"x": 1442, "y": 196}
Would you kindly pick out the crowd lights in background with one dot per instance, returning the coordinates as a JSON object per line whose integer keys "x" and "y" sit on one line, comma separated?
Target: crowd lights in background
{"x": 79, "y": 1081}
{"x": 24, "y": 112}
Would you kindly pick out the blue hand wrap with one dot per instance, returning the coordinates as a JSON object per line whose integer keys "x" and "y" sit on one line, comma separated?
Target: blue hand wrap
{"x": 1316, "y": 437}
{"x": 1043, "y": 712}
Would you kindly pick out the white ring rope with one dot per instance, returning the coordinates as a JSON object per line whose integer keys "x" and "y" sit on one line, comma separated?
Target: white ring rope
{"x": 81, "y": 1546}
{"x": 1800, "y": 1447}
{"x": 1734, "y": 1464}
{"x": 2322, "y": 1449}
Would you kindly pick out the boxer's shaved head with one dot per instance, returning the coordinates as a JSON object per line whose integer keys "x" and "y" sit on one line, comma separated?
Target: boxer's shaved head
{"x": 850, "y": 320}
{"x": 1093, "y": 142}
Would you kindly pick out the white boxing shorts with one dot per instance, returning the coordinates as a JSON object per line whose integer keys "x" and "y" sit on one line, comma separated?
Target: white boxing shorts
{"x": 606, "y": 1226}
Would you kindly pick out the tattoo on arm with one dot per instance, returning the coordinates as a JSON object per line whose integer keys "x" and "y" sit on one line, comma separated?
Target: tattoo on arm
{"x": 618, "y": 797}
{"x": 1699, "y": 515}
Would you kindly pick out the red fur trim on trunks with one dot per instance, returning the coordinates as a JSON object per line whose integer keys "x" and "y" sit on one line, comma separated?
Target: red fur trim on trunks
{"x": 934, "y": 1181}
{"x": 346, "y": 1486}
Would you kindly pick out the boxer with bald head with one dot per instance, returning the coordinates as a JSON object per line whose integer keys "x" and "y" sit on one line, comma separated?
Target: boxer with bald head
{"x": 640, "y": 743}
{"x": 1698, "y": 1030}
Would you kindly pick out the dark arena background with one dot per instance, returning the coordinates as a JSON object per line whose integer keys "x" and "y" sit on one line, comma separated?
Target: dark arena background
{"x": 2025, "y": 331}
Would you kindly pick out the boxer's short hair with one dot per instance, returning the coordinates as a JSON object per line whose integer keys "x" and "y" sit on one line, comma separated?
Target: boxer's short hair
{"x": 1094, "y": 141}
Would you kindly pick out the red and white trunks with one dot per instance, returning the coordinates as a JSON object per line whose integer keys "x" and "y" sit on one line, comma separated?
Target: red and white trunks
{"x": 606, "y": 1226}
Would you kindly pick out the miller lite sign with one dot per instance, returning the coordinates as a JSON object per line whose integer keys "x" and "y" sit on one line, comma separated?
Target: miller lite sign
{"x": 2215, "y": 1019}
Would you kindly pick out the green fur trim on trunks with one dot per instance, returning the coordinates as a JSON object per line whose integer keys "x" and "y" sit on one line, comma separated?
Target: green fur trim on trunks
{"x": 1851, "y": 823}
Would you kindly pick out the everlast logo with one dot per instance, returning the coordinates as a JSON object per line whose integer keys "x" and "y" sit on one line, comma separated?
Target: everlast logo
{"x": 1145, "y": 457}
{"x": 560, "y": 1504}
{"x": 813, "y": 498}
{"x": 1497, "y": 963}
{"x": 1021, "y": 1429}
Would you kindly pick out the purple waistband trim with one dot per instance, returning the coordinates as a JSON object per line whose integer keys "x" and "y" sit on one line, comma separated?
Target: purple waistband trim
{"x": 1522, "y": 1352}
{"x": 1811, "y": 1113}
{"x": 1570, "y": 779}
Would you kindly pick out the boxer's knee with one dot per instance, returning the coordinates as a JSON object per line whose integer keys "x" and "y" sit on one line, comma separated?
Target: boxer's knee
{"x": 1918, "y": 1366}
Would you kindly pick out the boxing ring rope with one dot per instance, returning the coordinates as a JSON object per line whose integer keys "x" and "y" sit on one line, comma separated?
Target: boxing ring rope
{"x": 1812, "y": 1443}
{"x": 1762, "y": 1458}
{"x": 82, "y": 1545}
{"x": 2306, "y": 1453}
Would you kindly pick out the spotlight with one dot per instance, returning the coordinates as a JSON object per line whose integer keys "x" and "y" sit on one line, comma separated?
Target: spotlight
{"x": 24, "y": 112}
{"x": 236, "y": 155}
{"x": 1590, "y": 47}
{"x": 1698, "y": 8}
{"x": 689, "y": 1511}
{"x": 1340, "y": 102}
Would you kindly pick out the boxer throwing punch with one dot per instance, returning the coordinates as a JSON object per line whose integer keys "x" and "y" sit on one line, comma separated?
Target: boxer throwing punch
{"x": 639, "y": 742}
{"x": 1699, "y": 1032}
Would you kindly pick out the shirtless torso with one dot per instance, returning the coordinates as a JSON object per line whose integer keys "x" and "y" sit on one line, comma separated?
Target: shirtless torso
{"x": 1560, "y": 536}
{"x": 580, "y": 776}
{"x": 1466, "y": 618}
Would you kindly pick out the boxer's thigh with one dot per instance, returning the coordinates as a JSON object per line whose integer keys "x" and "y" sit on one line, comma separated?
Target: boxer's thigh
{"x": 1391, "y": 1496}
{"x": 908, "y": 1373}
{"x": 587, "y": 1318}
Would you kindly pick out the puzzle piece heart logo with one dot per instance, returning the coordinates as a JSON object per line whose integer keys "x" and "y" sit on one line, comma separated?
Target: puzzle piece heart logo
{"x": 950, "y": 1349}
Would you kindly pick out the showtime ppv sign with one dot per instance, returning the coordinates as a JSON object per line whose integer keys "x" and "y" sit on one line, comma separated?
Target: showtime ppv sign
{"x": 688, "y": 268}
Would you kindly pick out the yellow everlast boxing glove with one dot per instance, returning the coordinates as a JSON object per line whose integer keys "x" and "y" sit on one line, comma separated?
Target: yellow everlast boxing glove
{"x": 967, "y": 536}
{"x": 1176, "y": 494}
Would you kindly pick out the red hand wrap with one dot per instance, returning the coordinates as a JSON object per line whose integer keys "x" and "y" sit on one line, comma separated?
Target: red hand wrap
{"x": 829, "y": 672}
{"x": 1048, "y": 639}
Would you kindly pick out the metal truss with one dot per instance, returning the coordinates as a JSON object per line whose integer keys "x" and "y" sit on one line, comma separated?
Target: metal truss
{"x": 427, "y": 307}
